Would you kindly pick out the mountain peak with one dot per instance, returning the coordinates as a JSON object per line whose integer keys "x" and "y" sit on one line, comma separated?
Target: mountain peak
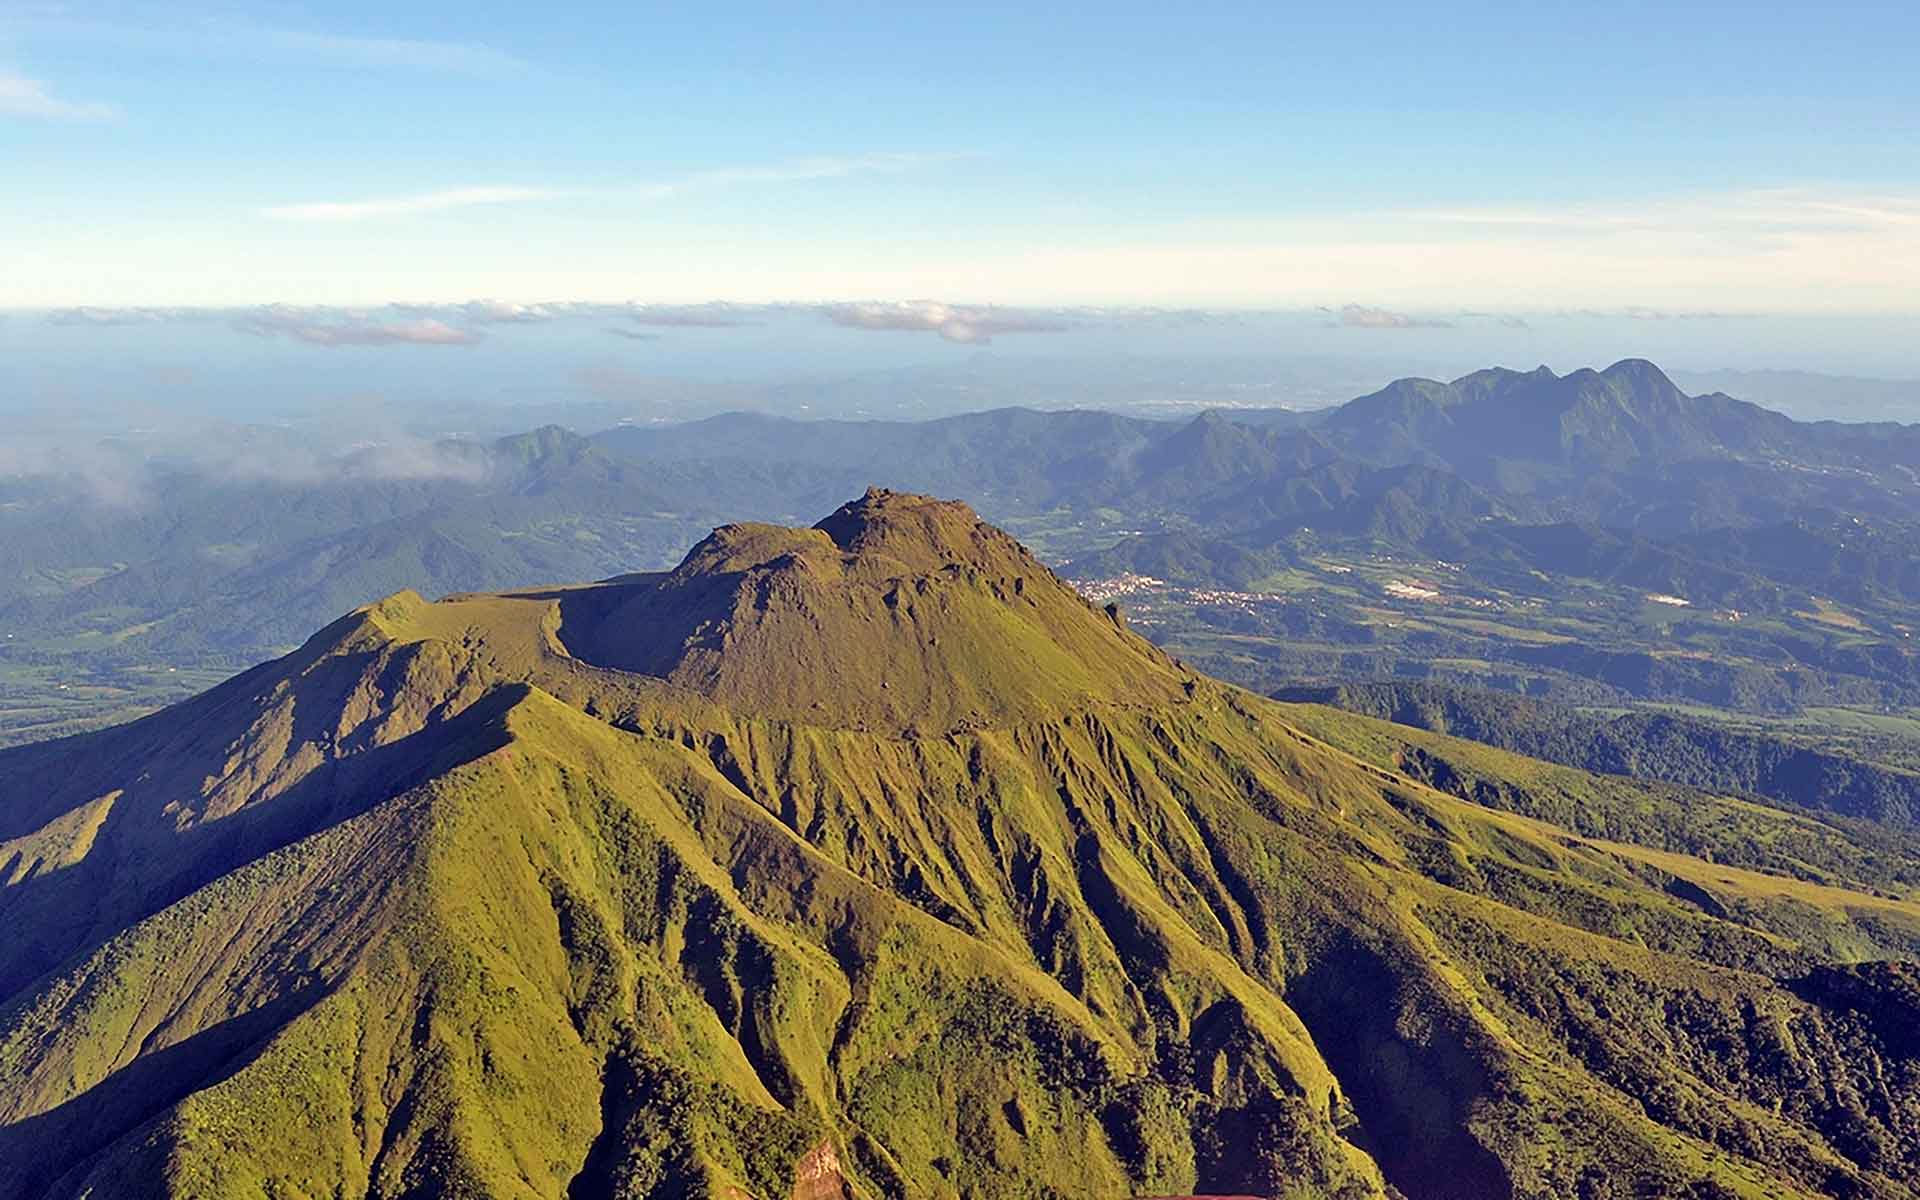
{"x": 544, "y": 442}
{"x": 655, "y": 884}
{"x": 1620, "y": 417}
{"x": 898, "y": 611}
{"x": 1637, "y": 369}
{"x": 918, "y": 532}
{"x": 743, "y": 546}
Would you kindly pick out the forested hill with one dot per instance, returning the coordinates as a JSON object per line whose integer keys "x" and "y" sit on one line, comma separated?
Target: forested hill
{"x": 1646, "y": 745}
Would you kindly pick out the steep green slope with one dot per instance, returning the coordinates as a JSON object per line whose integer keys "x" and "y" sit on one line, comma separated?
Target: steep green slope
{"x": 577, "y": 893}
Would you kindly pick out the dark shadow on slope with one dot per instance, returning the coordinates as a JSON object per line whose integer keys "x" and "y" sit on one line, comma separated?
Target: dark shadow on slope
{"x": 38, "y": 1151}
{"x": 71, "y": 912}
{"x": 661, "y": 1127}
{"x": 640, "y": 627}
{"x": 599, "y": 1176}
{"x": 42, "y": 773}
{"x": 1412, "y": 1098}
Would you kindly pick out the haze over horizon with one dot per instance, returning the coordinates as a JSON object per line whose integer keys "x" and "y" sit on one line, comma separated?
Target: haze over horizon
{"x": 217, "y": 208}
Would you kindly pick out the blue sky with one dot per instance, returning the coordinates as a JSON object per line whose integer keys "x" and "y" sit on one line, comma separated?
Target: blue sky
{"x": 1424, "y": 157}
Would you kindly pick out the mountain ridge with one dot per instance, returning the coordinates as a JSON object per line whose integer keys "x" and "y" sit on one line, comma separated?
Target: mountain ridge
{"x": 436, "y": 905}
{"x": 211, "y": 571}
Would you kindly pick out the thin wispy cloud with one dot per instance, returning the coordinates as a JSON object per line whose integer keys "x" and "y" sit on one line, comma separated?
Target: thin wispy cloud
{"x": 1756, "y": 211}
{"x": 467, "y": 58}
{"x": 31, "y": 98}
{"x": 333, "y": 330}
{"x": 1640, "y": 312}
{"x": 401, "y": 458}
{"x": 1794, "y": 250}
{"x": 955, "y": 323}
{"x": 690, "y": 316}
{"x": 798, "y": 171}
{"x": 98, "y": 472}
{"x": 1871, "y": 212}
{"x": 165, "y": 32}
{"x": 122, "y": 475}
{"x": 399, "y": 206}
{"x": 93, "y": 315}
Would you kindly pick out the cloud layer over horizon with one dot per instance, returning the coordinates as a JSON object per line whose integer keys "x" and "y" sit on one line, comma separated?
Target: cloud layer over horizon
{"x": 955, "y": 323}
{"x": 324, "y": 328}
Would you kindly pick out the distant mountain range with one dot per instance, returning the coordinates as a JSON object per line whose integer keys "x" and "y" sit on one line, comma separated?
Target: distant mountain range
{"x": 1561, "y": 446}
{"x": 1614, "y": 477}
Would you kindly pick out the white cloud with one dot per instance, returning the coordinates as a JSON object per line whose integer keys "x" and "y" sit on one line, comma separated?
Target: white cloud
{"x": 955, "y": 323}
{"x": 502, "y": 312}
{"x": 23, "y": 97}
{"x": 361, "y": 210}
{"x": 1361, "y": 316}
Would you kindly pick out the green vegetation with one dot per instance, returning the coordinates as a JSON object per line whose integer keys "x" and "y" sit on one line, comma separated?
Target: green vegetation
{"x": 626, "y": 890}
{"x": 1768, "y": 762}
{"x": 1527, "y": 532}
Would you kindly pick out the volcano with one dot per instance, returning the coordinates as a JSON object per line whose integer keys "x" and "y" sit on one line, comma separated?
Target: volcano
{"x": 870, "y": 860}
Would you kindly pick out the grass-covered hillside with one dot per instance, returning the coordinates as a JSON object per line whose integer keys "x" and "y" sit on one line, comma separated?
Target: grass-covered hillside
{"x": 870, "y": 860}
